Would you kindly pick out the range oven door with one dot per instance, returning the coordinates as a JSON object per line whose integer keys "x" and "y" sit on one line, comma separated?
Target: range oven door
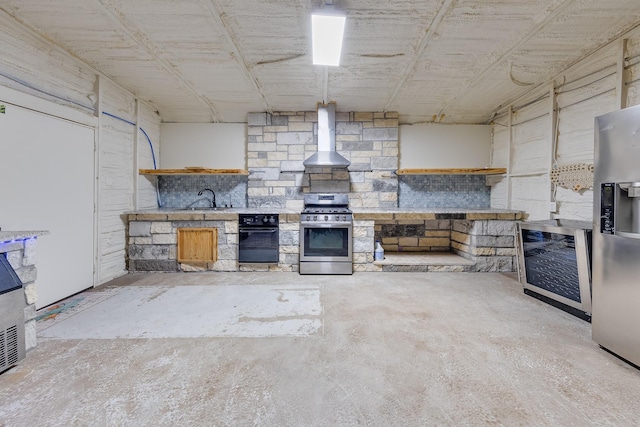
{"x": 326, "y": 242}
{"x": 258, "y": 245}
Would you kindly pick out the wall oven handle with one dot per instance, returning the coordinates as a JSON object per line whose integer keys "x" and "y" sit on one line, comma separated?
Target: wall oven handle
{"x": 305, "y": 224}
{"x": 258, "y": 230}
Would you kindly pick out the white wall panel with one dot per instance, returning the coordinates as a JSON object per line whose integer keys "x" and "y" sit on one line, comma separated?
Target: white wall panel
{"x": 500, "y": 145}
{"x": 584, "y": 91}
{"x": 633, "y": 86}
{"x": 574, "y": 205}
{"x": 579, "y": 102}
{"x": 577, "y": 111}
{"x": 531, "y": 195}
{"x": 209, "y": 145}
{"x": 530, "y": 152}
{"x": 500, "y": 159}
{"x": 49, "y": 72}
{"x": 119, "y": 175}
{"x": 499, "y": 193}
{"x": 444, "y": 146}
{"x": 31, "y": 65}
{"x": 47, "y": 171}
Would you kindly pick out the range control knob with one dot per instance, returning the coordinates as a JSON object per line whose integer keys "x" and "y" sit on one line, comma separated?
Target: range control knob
{"x": 272, "y": 220}
{"x": 326, "y": 217}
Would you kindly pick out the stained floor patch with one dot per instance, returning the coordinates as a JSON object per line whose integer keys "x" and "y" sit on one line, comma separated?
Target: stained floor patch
{"x": 69, "y": 307}
{"x": 197, "y": 311}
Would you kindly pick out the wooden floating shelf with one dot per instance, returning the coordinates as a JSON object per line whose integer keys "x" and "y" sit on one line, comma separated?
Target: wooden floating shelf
{"x": 193, "y": 171}
{"x": 454, "y": 171}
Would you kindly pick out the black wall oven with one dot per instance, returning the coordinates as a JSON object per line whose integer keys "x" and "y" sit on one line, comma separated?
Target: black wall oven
{"x": 259, "y": 238}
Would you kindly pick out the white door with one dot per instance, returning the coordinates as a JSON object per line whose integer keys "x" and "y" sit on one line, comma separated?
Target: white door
{"x": 47, "y": 183}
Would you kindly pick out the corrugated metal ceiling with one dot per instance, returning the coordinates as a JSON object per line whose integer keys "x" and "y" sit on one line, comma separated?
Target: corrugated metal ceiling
{"x": 452, "y": 61}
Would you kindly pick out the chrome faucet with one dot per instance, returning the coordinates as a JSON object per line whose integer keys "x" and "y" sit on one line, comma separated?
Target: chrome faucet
{"x": 213, "y": 201}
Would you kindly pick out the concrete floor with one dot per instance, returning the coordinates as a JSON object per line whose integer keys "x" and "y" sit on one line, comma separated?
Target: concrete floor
{"x": 386, "y": 349}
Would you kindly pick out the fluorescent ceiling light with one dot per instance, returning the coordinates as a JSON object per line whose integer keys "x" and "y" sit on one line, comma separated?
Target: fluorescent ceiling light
{"x": 326, "y": 35}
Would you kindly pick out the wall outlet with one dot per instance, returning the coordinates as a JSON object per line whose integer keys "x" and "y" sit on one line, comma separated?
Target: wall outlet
{"x": 553, "y": 207}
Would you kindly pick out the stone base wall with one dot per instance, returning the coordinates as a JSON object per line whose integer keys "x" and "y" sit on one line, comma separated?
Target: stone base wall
{"x": 152, "y": 242}
{"x": 363, "y": 245}
{"x": 414, "y": 235}
{"x": 21, "y": 254}
{"x": 487, "y": 239}
{"x": 489, "y": 243}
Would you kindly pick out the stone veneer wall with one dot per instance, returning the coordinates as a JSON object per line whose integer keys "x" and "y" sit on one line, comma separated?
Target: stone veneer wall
{"x": 21, "y": 254}
{"x": 414, "y": 235}
{"x": 486, "y": 239}
{"x": 363, "y": 239}
{"x": 153, "y": 242}
{"x": 278, "y": 143}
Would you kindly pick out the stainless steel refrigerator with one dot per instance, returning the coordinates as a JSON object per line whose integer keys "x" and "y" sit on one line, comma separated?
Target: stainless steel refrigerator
{"x": 616, "y": 234}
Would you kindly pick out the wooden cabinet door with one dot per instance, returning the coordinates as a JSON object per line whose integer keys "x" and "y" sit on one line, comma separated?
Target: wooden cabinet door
{"x": 197, "y": 244}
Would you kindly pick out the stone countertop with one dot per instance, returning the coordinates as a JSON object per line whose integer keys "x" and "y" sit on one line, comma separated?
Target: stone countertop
{"x": 441, "y": 213}
{"x": 8, "y": 236}
{"x": 358, "y": 213}
{"x": 228, "y": 214}
{"x": 263, "y": 210}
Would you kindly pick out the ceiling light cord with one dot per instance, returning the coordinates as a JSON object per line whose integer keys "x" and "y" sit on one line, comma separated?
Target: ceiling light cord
{"x": 514, "y": 81}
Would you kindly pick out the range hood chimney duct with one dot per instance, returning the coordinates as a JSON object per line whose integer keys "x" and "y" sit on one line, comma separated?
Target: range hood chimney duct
{"x": 326, "y": 155}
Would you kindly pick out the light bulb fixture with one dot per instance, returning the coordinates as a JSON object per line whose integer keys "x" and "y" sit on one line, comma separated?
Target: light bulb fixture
{"x": 327, "y": 30}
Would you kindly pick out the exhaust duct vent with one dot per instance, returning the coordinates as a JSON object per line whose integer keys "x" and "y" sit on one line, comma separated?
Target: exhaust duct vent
{"x": 326, "y": 155}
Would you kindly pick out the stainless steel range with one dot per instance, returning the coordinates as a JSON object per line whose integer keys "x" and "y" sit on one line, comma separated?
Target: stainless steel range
{"x": 326, "y": 235}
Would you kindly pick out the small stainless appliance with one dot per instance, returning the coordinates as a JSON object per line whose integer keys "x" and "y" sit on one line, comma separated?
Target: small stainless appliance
{"x": 12, "y": 303}
{"x": 259, "y": 238}
{"x": 616, "y": 233}
{"x": 555, "y": 259}
{"x": 326, "y": 235}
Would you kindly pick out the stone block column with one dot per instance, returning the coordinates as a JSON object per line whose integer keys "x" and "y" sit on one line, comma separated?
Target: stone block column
{"x": 20, "y": 249}
{"x": 486, "y": 240}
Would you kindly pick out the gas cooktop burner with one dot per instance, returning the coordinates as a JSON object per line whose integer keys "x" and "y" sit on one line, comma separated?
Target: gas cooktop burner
{"x": 326, "y": 210}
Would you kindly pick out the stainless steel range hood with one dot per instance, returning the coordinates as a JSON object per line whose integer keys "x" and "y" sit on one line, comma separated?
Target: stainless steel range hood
{"x": 326, "y": 155}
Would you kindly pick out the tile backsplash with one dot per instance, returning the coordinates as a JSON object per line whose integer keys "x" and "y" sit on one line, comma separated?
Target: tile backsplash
{"x": 181, "y": 191}
{"x": 414, "y": 191}
{"x": 443, "y": 191}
